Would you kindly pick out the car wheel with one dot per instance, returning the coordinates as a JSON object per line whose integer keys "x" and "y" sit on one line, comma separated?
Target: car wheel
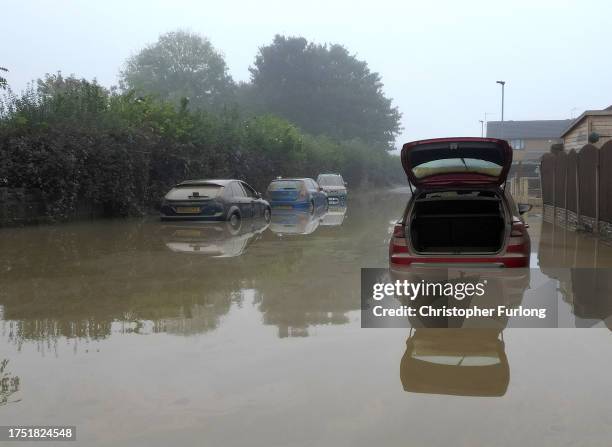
{"x": 267, "y": 214}
{"x": 234, "y": 220}
{"x": 311, "y": 208}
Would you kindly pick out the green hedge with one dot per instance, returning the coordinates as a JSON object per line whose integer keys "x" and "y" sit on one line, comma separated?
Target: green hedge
{"x": 119, "y": 154}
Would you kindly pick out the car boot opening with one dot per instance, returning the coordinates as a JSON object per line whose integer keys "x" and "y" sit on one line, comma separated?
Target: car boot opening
{"x": 457, "y": 222}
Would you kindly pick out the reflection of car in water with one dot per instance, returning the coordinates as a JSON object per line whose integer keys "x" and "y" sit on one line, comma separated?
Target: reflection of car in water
{"x": 296, "y": 194}
{"x": 454, "y": 355}
{"x": 335, "y": 216}
{"x": 461, "y": 362}
{"x": 294, "y": 222}
{"x": 219, "y": 240}
{"x": 213, "y": 200}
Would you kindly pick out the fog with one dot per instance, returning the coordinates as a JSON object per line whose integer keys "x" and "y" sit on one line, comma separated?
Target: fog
{"x": 438, "y": 60}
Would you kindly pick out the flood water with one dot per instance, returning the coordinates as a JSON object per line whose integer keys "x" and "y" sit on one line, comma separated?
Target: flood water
{"x": 145, "y": 333}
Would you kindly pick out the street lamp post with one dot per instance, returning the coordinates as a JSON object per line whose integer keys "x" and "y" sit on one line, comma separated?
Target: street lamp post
{"x": 481, "y": 128}
{"x": 503, "y": 84}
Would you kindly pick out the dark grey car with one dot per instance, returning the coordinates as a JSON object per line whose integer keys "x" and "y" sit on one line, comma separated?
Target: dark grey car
{"x": 214, "y": 200}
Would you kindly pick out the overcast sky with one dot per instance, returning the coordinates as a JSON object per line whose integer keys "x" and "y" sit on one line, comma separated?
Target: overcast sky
{"x": 438, "y": 60}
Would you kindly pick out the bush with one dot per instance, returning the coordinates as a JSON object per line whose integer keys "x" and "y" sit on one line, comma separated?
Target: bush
{"x": 117, "y": 154}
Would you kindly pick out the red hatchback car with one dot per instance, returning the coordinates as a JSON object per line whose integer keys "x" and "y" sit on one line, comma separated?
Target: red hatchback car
{"x": 459, "y": 212}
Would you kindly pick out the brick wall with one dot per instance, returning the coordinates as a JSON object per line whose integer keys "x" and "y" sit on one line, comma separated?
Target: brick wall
{"x": 548, "y": 213}
{"x": 569, "y": 219}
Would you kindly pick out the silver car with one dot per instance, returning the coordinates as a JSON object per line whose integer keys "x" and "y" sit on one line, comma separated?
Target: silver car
{"x": 334, "y": 186}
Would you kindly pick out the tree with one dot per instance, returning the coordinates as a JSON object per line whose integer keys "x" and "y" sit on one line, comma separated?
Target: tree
{"x": 180, "y": 65}
{"x": 70, "y": 98}
{"x": 324, "y": 90}
{"x": 3, "y": 81}
{"x": 556, "y": 148}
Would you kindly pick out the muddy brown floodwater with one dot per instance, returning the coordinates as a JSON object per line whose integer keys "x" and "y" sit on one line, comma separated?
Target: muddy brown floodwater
{"x": 147, "y": 334}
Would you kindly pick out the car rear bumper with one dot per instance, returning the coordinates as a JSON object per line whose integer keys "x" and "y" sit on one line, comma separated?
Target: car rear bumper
{"x": 334, "y": 200}
{"x": 192, "y": 210}
{"x": 282, "y": 204}
{"x": 510, "y": 260}
{"x": 197, "y": 217}
{"x": 336, "y": 196}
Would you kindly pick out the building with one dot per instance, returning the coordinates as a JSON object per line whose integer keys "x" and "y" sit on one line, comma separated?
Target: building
{"x": 529, "y": 139}
{"x": 593, "y": 126}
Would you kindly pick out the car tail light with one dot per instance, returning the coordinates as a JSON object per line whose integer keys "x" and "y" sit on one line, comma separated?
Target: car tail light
{"x": 398, "y": 244}
{"x": 399, "y": 231}
{"x": 518, "y": 229}
{"x": 518, "y": 242}
{"x": 303, "y": 193}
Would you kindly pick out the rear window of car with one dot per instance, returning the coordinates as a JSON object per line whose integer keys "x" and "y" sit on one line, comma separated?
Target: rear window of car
{"x": 454, "y": 165}
{"x": 488, "y": 158}
{"x": 330, "y": 180}
{"x": 456, "y": 194}
{"x": 285, "y": 185}
{"x": 186, "y": 192}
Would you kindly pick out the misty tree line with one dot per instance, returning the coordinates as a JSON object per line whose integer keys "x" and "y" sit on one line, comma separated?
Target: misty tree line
{"x": 178, "y": 114}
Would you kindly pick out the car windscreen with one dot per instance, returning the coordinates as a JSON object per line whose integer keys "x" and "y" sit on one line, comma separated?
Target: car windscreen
{"x": 330, "y": 180}
{"x": 285, "y": 185}
{"x": 187, "y": 192}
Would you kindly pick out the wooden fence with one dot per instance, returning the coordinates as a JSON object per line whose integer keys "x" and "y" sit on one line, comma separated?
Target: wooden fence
{"x": 577, "y": 188}
{"x": 525, "y": 190}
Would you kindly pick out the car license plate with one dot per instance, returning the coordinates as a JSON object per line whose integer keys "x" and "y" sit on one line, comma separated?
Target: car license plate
{"x": 188, "y": 209}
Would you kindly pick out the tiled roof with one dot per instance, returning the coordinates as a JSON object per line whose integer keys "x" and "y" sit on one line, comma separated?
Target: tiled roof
{"x": 526, "y": 130}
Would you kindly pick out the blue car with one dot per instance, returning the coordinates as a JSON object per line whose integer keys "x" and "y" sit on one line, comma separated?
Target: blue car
{"x": 297, "y": 194}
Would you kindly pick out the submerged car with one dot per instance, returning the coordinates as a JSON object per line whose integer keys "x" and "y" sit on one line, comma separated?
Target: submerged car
{"x": 214, "y": 200}
{"x": 297, "y": 194}
{"x": 459, "y": 211}
{"x": 334, "y": 186}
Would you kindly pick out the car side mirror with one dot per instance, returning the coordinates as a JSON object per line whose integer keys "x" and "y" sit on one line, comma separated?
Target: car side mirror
{"x": 258, "y": 195}
{"x": 524, "y": 208}
{"x": 345, "y": 183}
{"x": 320, "y": 188}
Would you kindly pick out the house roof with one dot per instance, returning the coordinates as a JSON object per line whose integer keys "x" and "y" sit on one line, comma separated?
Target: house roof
{"x": 605, "y": 112}
{"x": 527, "y": 130}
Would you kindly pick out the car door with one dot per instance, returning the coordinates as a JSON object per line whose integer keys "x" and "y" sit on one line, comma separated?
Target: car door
{"x": 236, "y": 197}
{"x": 244, "y": 202}
{"x": 256, "y": 205}
{"x": 318, "y": 194}
{"x": 312, "y": 194}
